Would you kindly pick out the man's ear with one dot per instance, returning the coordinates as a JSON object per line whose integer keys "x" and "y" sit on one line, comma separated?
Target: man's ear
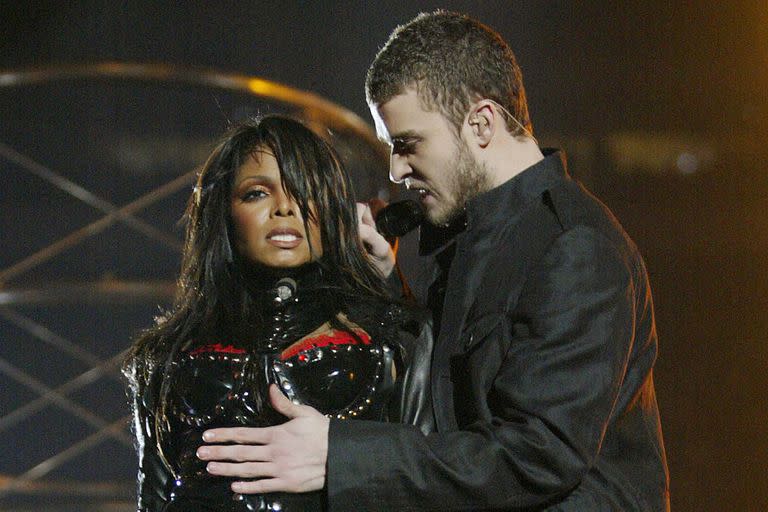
{"x": 483, "y": 123}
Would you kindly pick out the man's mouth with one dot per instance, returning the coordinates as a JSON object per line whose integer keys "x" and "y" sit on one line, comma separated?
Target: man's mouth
{"x": 422, "y": 191}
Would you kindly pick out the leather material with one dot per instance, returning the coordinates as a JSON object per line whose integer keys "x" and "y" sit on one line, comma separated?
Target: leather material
{"x": 414, "y": 404}
{"x": 542, "y": 370}
{"x": 216, "y": 383}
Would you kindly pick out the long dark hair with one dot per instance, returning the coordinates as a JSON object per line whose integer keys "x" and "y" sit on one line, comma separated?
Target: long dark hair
{"x": 214, "y": 296}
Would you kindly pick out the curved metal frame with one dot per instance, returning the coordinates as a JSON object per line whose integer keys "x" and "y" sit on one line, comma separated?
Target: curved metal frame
{"x": 317, "y": 107}
{"x": 314, "y": 108}
{"x": 31, "y": 481}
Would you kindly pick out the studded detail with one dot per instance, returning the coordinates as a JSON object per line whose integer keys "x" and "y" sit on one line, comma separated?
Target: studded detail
{"x": 223, "y": 383}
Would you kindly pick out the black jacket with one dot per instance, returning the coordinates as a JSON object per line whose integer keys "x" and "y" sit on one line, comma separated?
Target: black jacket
{"x": 541, "y": 376}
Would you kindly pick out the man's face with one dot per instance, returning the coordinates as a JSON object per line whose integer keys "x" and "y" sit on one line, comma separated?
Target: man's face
{"x": 428, "y": 156}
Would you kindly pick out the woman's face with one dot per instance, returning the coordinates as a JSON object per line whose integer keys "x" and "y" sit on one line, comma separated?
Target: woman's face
{"x": 269, "y": 227}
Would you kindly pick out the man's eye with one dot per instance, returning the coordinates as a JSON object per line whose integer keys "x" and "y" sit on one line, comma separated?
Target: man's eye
{"x": 403, "y": 147}
{"x": 252, "y": 195}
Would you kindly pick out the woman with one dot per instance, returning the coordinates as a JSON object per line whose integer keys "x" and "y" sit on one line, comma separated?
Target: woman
{"x": 275, "y": 287}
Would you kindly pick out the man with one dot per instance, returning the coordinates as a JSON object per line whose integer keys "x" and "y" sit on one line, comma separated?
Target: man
{"x": 541, "y": 376}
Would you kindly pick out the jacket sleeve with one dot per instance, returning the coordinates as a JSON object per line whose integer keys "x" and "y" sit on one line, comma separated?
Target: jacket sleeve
{"x": 411, "y": 401}
{"x": 154, "y": 478}
{"x": 549, "y": 403}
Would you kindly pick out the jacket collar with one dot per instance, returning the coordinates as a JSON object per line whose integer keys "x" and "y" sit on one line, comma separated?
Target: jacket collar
{"x": 497, "y": 208}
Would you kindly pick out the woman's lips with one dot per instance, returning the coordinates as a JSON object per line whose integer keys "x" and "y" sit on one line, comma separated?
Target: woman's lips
{"x": 284, "y": 238}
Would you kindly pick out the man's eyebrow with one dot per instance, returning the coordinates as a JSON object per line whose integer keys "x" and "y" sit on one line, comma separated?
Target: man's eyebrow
{"x": 405, "y": 140}
{"x": 408, "y": 135}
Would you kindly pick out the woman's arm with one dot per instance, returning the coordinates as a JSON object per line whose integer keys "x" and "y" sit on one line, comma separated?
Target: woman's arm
{"x": 154, "y": 478}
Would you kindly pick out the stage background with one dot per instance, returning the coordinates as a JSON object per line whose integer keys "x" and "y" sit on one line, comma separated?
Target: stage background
{"x": 663, "y": 107}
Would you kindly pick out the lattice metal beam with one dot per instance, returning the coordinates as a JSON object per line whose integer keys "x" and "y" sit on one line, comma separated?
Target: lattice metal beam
{"x": 86, "y": 196}
{"x": 106, "y": 368}
{"x": 48, "y": 465}
{"x": 93, "y": 228}
{"x": 58, "y": 399}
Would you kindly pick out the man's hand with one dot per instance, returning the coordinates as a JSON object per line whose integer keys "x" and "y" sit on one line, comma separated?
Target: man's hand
{"x": 290, "y": 457}
{"x": 379, "y": 249}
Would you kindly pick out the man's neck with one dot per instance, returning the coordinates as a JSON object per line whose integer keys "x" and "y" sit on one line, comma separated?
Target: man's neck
{"x": 512, "y": 157}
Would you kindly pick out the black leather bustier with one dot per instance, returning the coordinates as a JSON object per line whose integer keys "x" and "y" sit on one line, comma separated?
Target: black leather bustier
{"x": 343, "y": 373}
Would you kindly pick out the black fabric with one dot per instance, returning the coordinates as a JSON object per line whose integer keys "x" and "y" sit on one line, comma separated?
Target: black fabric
{"x": 541, "y": 375}
{"x": 219, "y": 383}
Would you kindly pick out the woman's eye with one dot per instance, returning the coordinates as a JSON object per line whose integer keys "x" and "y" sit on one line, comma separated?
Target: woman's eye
{"x": 252, "y": 195}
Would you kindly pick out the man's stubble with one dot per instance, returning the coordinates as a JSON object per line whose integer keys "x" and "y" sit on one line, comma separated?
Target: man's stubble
{"x": 470, "y": 179}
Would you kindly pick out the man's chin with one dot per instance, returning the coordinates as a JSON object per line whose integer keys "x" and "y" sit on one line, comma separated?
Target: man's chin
{"x": 435, "y": 217}
{"x": 441, "y": 216}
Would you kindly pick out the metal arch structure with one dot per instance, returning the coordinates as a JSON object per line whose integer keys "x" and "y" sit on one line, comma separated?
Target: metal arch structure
{"x": 32, "y": 484}
{"x": 313, "y": 108}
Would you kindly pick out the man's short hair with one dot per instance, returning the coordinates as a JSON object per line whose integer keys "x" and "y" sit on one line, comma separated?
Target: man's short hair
{"x": 453, "y": 61}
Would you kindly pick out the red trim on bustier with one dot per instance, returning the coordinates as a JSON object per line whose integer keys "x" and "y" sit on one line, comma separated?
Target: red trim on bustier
{"x": 324, "y": 340}
{"x": 308, "y": 343}
{"x": 218, "y": 348}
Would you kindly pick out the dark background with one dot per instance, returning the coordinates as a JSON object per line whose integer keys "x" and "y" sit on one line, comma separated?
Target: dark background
{"x": 663, "y": 107}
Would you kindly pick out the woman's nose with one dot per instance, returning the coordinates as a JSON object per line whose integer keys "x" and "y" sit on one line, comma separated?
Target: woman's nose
{"x": 284, "y": 205}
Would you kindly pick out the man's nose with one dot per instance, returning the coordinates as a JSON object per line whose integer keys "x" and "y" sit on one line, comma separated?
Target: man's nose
{"x": 398, "y": 168}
